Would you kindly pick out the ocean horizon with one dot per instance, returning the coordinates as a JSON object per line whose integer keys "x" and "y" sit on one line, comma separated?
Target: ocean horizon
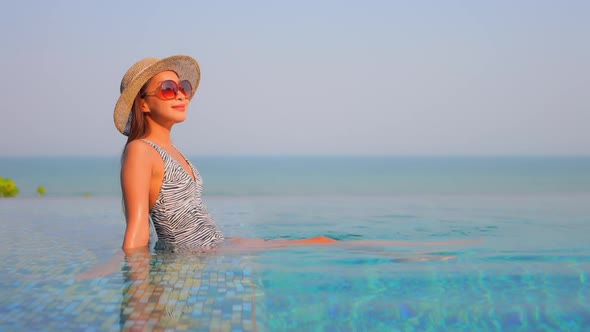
{"x": 319, "y": 175}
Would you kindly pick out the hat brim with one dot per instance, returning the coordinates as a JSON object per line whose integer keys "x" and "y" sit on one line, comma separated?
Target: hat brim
{"x": 184, "y": 66}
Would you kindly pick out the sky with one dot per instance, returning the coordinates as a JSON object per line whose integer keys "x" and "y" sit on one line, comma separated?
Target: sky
{"x": 306, "y": 77}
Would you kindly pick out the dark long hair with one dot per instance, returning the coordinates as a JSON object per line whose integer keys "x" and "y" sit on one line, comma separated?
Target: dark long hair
{"x": 138, "y": 122}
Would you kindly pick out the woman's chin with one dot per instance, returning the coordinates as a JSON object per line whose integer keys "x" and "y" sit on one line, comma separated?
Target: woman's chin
{"x": 180, "y": 118}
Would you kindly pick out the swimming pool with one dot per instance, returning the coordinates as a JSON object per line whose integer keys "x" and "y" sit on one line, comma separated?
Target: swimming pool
{"x": 530, "y": 272}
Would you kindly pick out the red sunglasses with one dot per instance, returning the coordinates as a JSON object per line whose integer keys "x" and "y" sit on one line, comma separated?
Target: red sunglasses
{"x": 168, "y": 89}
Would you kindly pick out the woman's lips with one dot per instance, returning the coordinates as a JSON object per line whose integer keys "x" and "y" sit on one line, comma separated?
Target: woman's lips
{"x": 179, "y": 107}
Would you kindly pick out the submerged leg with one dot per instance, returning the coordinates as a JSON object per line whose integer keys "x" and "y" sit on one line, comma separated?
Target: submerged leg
{"x": 314, "y": 240}
{"x": 239, "y": 243}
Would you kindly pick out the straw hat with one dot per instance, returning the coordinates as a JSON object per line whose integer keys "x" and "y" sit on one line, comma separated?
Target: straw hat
{"x": 184, "y": 66}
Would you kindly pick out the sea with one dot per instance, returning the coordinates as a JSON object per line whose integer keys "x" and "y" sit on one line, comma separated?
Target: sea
{"x": 426, "y": 243}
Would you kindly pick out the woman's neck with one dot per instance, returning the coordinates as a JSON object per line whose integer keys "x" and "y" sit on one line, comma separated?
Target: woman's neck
{"x": 159, "y": 135}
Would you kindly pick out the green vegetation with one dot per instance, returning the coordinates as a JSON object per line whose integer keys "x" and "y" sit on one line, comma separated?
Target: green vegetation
{"x": 41, "y": 191}
{"x": 8, "y": 188}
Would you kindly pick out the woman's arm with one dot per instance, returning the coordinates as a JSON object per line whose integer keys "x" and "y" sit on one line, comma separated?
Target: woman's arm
{"x": 140, "y": 294}
{"x": 114, "y": 264}
{"x": 136, "y": 175}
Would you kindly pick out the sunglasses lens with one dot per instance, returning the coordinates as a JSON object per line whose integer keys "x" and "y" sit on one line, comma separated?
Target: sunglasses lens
{"x": 168, "y": 90}
{"x": 186, "y": 88}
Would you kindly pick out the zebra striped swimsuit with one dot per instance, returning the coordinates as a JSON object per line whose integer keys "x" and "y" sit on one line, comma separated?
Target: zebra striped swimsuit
{"x": 179, "y": 216}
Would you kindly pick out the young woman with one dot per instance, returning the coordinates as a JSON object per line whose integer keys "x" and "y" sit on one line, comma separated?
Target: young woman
{"x": 158, "y": 182}
{"x": 160, "y": 186}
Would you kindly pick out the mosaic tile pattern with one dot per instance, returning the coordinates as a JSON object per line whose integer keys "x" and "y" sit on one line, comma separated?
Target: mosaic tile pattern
{"x": 44, "y": 252}
{"x": 185, "y": 293}
{"x": 507, "y": 284}
{"x": 175, "y": 293}
{"x": 377, "y": 296}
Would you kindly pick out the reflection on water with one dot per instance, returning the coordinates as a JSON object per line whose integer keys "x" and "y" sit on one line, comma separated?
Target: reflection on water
{"x": 188, "y": 292}
{"x": 531, "y": 273}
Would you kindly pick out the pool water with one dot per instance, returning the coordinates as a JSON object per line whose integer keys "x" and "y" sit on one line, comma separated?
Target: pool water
{"x": 528, "y": 271}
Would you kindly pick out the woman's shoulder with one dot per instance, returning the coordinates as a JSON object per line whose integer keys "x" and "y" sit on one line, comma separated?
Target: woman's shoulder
{"x": 140, "y": 159}
{"x": 139, "y": 150}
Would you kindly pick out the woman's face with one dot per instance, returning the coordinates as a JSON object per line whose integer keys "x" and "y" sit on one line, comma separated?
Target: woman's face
{"x": 164, "y": 112}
